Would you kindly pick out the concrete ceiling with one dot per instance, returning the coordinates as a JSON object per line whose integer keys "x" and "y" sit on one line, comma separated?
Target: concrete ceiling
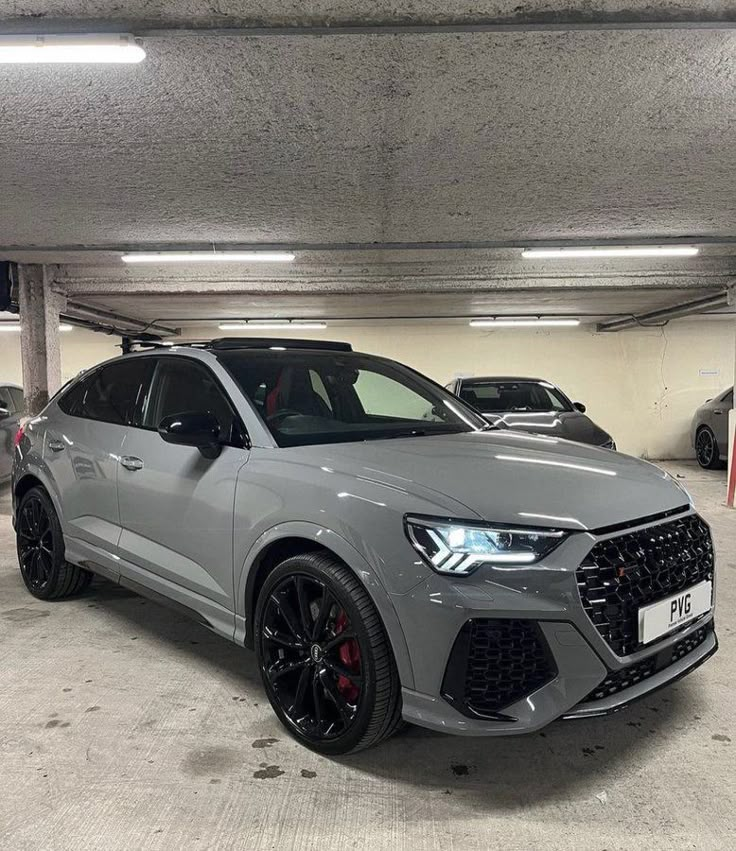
{"x": 338, "y": 143}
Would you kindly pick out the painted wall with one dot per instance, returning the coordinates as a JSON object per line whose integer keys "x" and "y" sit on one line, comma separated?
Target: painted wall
{"x": 641, "y": 385}
{"x": 79, "y": 350}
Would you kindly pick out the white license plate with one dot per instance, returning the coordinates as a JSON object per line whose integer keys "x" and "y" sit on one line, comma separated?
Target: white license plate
{"x": 666, "y": 615}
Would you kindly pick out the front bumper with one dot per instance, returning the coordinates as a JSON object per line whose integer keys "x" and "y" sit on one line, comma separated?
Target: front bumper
{"x": 546, "y": 705}
{"x": 583, "y": 665}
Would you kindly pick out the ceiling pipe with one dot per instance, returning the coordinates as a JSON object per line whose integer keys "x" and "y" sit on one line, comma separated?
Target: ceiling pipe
{"x": 531, "y": 23}
{"x": 663, "y": 315}
{"x": 459, "y": 245}
{"x": 116, "y": 320}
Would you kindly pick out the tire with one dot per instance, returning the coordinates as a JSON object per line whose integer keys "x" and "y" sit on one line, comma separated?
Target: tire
{"x": 706, "y": 449}
{"x": 40, "y": 544}
{"x": 334, "y": 696}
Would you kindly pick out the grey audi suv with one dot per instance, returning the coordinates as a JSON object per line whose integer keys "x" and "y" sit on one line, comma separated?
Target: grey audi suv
{"x": 385, "y": 551}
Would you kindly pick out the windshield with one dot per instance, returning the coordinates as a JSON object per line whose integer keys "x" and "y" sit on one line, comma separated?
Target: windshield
{"x": 308, "y": 397}
{"x": 499, "y": 397}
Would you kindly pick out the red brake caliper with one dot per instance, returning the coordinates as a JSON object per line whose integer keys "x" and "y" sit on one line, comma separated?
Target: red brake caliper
{"x": 349, "y": 654}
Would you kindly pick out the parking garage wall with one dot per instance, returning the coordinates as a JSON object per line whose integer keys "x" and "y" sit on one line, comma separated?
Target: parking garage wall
{"x": 641, "y": 385}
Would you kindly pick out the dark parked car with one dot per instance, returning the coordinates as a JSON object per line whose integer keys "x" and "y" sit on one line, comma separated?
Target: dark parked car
{"x": 530, "y": 404}
{"x": 709, "y": 431}
{"x": 11, "y": 410}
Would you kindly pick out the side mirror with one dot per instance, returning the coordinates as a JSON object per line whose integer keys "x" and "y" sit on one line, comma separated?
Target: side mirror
{"x": 579, "y": 407}
{"x": 4, "y": 413}
{"x": 191, "y": 428}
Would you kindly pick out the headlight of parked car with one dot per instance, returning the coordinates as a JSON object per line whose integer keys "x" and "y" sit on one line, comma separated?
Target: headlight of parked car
{"x": 458, "y": 548}
{"x": 609, "y": 444}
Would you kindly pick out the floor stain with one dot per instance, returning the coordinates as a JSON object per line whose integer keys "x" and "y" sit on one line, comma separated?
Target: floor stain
{"x": 460, "y": 770}
{"x": 93, "y": 709}
{"x": 268, "y": 773}
{"x": 24, "y": 614}
{"x": 207, "y": 761}
{"x": 310, "y": 775}
{"x": 264, "y": 743}
{"x": 56, "y": 723}
{"x": 720, "y": 737}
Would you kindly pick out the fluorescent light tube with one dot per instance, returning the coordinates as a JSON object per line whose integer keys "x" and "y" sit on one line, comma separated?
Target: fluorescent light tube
{"x": 14, "y": 327}
{"x": 73, "y": 48}
{"x": 622, "y": 251}
{"x": 524, "y": 323}
{"x": 208, "y": 257}
{"x": 272, "y": 325}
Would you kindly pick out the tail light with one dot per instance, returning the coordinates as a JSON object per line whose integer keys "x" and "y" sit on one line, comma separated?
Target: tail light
{"x": 19, "y": 435}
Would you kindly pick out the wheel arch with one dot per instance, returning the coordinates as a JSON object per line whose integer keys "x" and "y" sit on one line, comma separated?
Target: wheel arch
{"x": 25, "y": 483}
{"x": 287, "y": 540}
{"x": 32, "y": 478}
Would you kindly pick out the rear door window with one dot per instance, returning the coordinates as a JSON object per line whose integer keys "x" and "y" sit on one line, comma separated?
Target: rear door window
{"x": 6, "y": 400}
{"x": 16, "y": 394}
{"x": 113, "y": 394}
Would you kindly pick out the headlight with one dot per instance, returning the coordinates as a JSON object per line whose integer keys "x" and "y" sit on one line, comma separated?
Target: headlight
{"x": 459, "y": 548}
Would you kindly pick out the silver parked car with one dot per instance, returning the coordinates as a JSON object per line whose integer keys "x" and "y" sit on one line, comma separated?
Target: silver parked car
{"x": 709, "y": 431}
{"x": 11, "y": 411}
{"x": 384, "y": 550}
{"x": 530, "y": 404}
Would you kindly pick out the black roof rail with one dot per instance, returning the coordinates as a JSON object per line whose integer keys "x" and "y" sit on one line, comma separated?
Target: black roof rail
{"x": 149, "y": 341}
{"x": 278, "y": 343}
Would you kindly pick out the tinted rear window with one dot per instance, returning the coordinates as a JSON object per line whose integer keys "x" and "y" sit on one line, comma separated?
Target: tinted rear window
{"x": 16, "y": 394}
{"x": 6, "y": 400}
{"x": 112, "y": 394}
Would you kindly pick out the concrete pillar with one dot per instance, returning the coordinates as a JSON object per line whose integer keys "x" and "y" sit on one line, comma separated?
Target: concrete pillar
{"x": 40, "y": 308}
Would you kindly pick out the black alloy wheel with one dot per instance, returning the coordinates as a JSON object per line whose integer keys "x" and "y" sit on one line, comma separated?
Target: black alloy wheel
{"x": 706, "y": 449}
{"x": 40, "y": 546}
{"x": 324, "y": 656}
{"x": 35, "y": 544}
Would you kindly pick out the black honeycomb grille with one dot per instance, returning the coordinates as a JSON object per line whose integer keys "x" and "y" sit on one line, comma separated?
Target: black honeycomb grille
{"x": 630, "y": 676}
{"x": 622, "y": 574}
{"x": 494, "y": 663}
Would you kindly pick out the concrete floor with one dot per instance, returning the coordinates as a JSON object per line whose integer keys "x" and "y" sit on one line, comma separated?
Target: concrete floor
{"x": 124, "y": 726}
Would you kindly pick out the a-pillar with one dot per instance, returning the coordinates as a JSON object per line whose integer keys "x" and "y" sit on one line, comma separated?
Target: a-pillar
{"x": 40, "y": 308}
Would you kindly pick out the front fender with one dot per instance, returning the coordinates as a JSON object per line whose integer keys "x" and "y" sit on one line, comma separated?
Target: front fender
{"x": 347, "y": 553}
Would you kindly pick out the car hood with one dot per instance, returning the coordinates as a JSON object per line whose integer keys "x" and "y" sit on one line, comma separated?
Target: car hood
{"x": 510, "y": 477}
{"x": 571, "y": 425}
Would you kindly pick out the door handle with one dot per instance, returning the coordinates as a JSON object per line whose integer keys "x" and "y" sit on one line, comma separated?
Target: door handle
{"x": 56, "y": 445}
{"x": 130, "y": 462}
{"x": 718, "y": 412}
